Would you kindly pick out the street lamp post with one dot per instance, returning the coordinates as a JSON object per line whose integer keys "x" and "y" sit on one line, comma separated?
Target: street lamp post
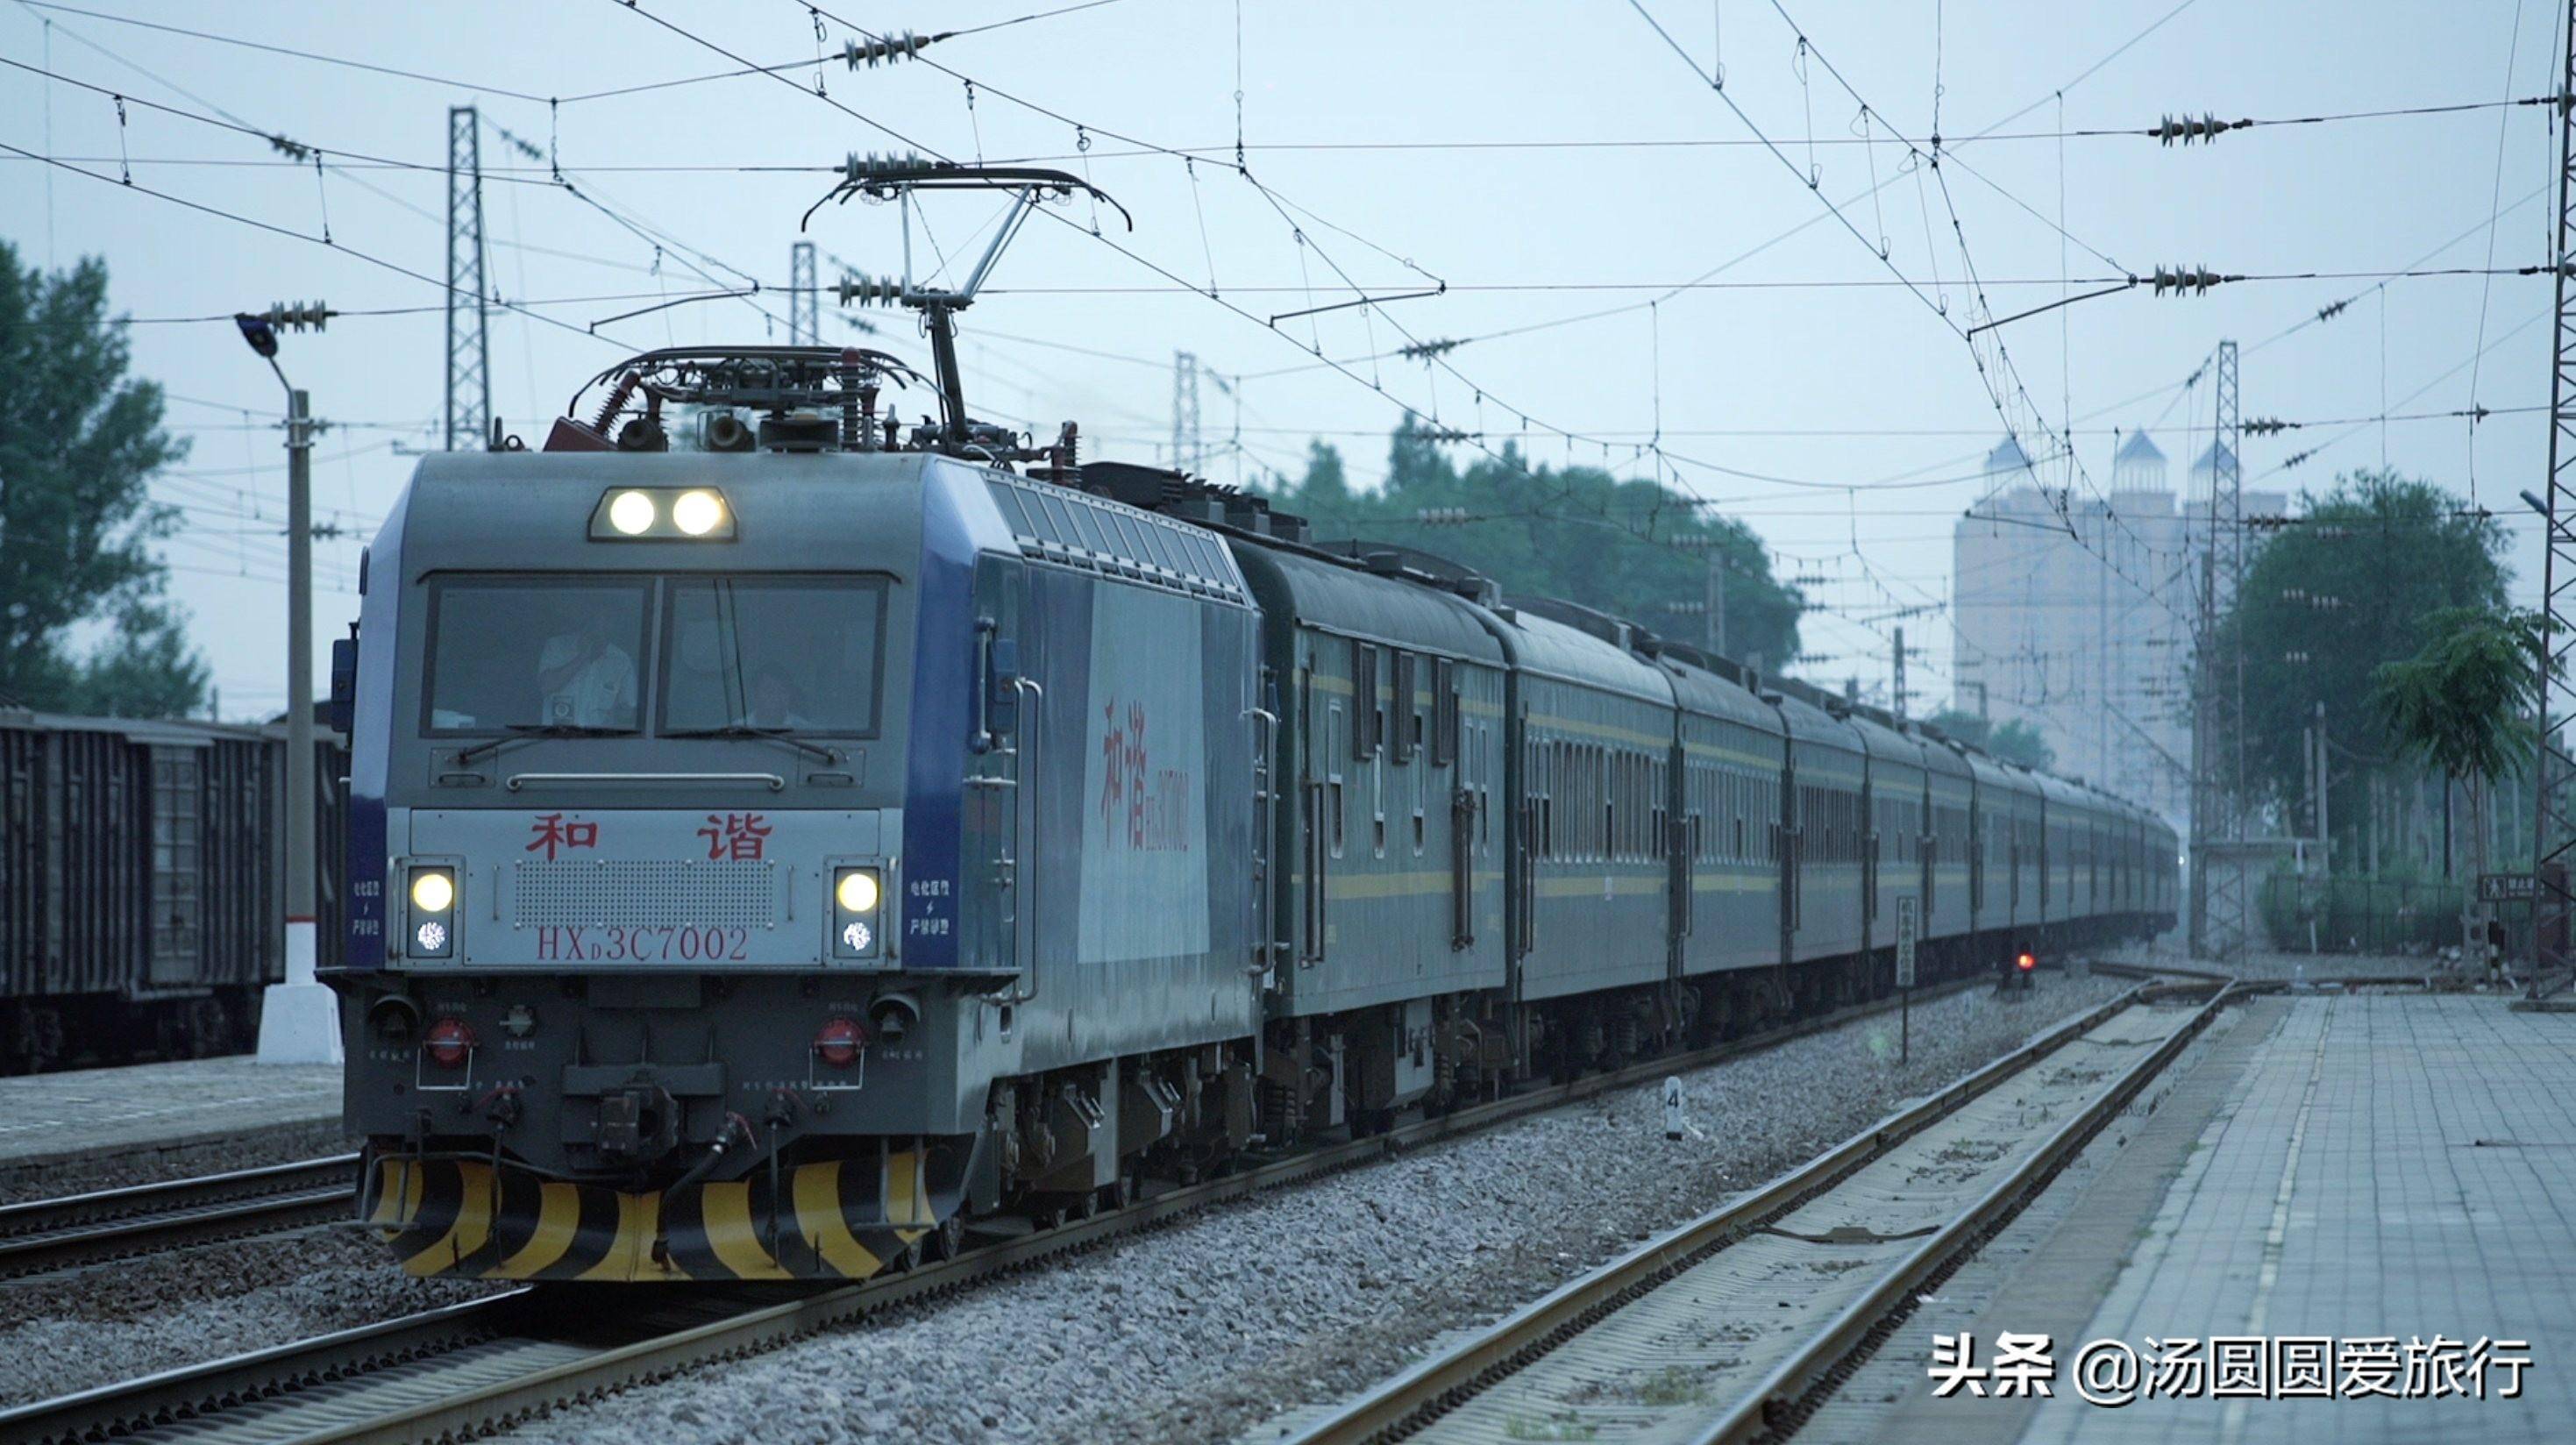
{"x": 299, "y": 1019}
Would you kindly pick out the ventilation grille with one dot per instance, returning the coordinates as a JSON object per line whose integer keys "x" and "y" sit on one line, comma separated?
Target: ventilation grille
{"x": 647, "y": 893}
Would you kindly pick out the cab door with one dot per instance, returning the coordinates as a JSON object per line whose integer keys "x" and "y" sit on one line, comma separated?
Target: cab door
{"x": 996, "y": 807}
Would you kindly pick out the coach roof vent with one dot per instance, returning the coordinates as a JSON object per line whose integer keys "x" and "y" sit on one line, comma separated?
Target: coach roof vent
{"x": 1177, "y": 494}
{"x": 1394, "y": 559}
{"x": 1617, "y": 631}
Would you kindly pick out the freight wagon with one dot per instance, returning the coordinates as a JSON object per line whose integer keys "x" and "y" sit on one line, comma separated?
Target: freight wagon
{"x": 140, "y": 875}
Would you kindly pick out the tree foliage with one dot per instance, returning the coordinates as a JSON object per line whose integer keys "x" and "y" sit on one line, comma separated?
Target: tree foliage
{"x": 2328, "y": 602}
{"x": 2014, "y": 742}
{"x": 1579, "y": 533}
{"x": 78, "y": 440}
{"x": 2462, "y": 702}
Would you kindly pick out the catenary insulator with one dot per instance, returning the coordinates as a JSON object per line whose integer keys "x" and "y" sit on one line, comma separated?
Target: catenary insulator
{"x": 885, "y": 50}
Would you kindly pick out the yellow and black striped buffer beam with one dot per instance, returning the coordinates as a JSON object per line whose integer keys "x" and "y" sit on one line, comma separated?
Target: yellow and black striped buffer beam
{"x": 835, "y": 1220}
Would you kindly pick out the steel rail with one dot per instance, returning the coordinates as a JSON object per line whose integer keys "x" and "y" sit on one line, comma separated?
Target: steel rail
{"x": 44, "y": 1235}
{"x": 1404, "y": 1402}
{"x": 574, "y": 1351}
{"x": 2179, "y": 975}
{"x": 1786, "y": 1396}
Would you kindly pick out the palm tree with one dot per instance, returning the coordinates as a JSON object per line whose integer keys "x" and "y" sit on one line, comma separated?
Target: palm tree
{"x": 2462, "y": 704}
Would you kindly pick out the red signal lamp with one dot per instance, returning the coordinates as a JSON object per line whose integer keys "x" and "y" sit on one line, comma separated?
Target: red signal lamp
{"x": 449, "y": 1043}
{"x": 2025, "y": 961}
{"x": 838, "y": 1042}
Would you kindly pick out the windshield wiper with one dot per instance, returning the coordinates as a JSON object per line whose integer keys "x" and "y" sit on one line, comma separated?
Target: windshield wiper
{"x": 745, "y": 730}
{"x": 522, "y": 731}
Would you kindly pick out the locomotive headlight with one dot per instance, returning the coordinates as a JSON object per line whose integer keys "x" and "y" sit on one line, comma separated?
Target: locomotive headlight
{"x": 662, "y": 514}
{"x": 857, "y": 891}
{"x": 856, "y": 896}
{"x": 433, "y": 903}
{"x": 433, "y": 890}
{"x": 630, "y": 513}
{"x": 696, "y": 513}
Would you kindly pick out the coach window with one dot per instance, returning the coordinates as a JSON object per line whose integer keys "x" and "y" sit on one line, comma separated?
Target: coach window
{"x": 1485, "y": 787}
{"x": 1377, "y": 803}
{"x": 1421, "y": 784}
{"x": 1546, "y": 841}
{"x": 1367, "y": 726}
{"x": 1336, "y": 745}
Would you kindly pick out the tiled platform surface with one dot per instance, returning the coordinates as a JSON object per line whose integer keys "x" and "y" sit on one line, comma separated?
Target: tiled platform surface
{"x": 2391, "y": 1165}
{"x": 106, "y": 1111}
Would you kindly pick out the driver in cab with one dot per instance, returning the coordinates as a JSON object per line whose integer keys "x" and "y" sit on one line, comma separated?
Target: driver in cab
{"x": 586, "y": 680}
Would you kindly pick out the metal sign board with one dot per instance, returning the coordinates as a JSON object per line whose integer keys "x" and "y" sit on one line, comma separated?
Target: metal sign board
{"x": 1905, "y": 942}
{"x": 2507, "y": 887}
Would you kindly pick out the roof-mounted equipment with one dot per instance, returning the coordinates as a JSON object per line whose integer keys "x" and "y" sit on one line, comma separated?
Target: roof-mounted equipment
{"x": 809, "y": 399}
{"x": 900, "y": 178}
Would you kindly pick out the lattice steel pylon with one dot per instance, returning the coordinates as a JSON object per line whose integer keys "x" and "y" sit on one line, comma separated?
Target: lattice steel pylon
{"x": 2222, "y": 893}
{"x": 1189, "y": 449}
{"x": 804, "y": 318}
{"x": 469, "y": 351}
{"x": 2554, "y": 799}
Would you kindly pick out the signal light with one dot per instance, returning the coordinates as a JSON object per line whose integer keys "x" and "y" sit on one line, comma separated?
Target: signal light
{"x": 838, "y": 1042}
{"x": 449, "y": 1043}
{"x": 2025, "y": 961}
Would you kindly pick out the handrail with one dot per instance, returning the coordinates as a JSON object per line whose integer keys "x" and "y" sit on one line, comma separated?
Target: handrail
{"x": 516, "y": 781}
{"x": 1032, "y": 728}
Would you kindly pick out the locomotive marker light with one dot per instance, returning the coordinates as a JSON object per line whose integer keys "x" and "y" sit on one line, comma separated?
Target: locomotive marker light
{"x": 432, "y": 890}
{"x": 433, "y": 901}
{"x": 856, "y": 894}
{"x": 449, "y": 1043}
{"x": 857, "y": 891}
{"x": 838, "y": 1042}
{"x": 662, "y": 514}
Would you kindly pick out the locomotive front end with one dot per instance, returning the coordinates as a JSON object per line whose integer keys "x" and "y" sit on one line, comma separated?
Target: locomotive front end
{"x": 665, "y": 976}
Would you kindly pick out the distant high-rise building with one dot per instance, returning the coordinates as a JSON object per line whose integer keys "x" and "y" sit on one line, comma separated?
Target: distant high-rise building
{"x": 2088, "y": 637}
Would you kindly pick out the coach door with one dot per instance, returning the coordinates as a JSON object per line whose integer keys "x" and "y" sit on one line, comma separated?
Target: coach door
{"x": 997, "y": 808}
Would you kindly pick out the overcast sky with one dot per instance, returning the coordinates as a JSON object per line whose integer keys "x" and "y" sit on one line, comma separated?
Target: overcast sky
{"x": 1413, "y": 144}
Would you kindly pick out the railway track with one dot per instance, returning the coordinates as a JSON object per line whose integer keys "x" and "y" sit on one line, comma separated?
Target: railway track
{"x": 42, "y": 1236}
{"x": 1735, "y": 1326}
{"x": 471, "y": 1368}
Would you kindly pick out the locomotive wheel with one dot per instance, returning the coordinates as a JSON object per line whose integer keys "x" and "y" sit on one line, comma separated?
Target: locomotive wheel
{"x": 948, "y": 1239}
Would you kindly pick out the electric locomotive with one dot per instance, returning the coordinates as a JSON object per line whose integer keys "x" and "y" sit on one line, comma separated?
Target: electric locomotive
{"x": 778, "y": 837}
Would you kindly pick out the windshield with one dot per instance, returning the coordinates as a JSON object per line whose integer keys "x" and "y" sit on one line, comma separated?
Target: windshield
{"x": 523, "y": 652}
{"x": 795, "y": 653}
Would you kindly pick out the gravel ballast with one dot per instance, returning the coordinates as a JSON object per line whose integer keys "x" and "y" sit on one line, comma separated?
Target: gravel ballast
{"x": 284, "y": 1144}
{"x": 136, "y": 1317}
{"x": 1206, "y": 1329}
